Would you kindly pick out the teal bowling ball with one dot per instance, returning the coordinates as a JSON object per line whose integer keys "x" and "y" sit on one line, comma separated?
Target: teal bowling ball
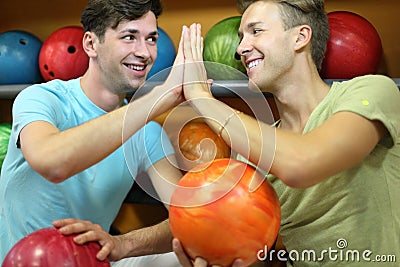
{"x": 19, "y": 57}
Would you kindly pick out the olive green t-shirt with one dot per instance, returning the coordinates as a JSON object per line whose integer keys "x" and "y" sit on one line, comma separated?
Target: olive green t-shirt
{"x": 352, "y": 218}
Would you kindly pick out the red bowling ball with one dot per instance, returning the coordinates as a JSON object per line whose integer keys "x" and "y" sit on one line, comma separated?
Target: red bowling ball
{"x": 49, "y": 248}
{"x": 354, "y": 47}
{"x": 62, "y": 55}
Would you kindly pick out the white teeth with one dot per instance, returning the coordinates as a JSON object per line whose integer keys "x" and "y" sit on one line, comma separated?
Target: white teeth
{"x": 253, "y": 63}
{"x": 135, "y": 67}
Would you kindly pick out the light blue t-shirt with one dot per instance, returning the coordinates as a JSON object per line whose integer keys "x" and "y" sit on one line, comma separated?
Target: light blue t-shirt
{"x": 29, "y": 202}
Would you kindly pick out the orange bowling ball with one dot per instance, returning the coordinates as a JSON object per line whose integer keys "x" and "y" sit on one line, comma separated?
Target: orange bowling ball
{"x": 217, "y": 215}
{"x": 198, "y": 143}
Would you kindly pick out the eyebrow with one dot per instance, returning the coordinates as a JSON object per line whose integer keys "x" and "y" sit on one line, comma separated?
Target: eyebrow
{"x": 135, "y": 31}
{"x": 249, "y": 26}
{"x": 252, "y": 24}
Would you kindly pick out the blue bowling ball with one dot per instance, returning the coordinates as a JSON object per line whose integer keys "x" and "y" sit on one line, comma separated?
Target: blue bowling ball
{"x": 19, "y": 57}
{"x": 166, "y": 54}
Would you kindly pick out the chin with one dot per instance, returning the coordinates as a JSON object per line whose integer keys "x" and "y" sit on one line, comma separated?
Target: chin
{"x": 253, "y": 86}
{"x": 259, "y": 85}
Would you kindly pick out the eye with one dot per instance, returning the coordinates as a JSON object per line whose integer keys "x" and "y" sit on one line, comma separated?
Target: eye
{"x": 152, "y": 39}
{"x": 129, "y": 37}
{"x": 255, "y": 31}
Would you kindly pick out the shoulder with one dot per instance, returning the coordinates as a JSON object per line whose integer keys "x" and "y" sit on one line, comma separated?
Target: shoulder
{"x": 375, "y": 83}
{"x": 55, "y": 88}
{"x": 371, "y": 88}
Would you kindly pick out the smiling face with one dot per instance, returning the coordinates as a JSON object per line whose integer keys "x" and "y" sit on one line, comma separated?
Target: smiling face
{"x": 127, "y": 53}
{"x": 266, "y": 49}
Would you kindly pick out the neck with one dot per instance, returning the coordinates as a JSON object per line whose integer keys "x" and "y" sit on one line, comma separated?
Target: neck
{"x": 296, "y": 101}
{"x": 100, "y": 94}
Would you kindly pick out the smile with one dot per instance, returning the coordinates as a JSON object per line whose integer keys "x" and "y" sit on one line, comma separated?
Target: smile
{"x": 254, "y": 63}
{"x": 136, "y": 67}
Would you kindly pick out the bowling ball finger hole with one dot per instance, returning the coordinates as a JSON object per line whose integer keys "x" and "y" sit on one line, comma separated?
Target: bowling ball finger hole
{"x": 23, "y": 41}
{"x": 71, "y": 49}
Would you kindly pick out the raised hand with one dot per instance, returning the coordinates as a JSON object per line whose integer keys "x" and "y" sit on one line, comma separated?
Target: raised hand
{"x": 195, "y": 79}
{"x": 170, "y": 93}
{"x": 174, "y": 80}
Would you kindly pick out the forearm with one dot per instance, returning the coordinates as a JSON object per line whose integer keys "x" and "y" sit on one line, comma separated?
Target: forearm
{"x": 150, "y": 240}
{"x": 275, "y": 151}
{"x": 57, "y": 155}
{"x": 253, "y": 139}
{"x": 299, "y": 160}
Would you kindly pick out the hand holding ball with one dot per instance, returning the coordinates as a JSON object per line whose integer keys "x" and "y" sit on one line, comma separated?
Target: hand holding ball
{"x": 49, "y": 248}
{"x": 215, "y": 215}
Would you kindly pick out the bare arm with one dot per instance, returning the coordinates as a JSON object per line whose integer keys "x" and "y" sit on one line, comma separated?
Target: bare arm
{"x": 145, "y": 241}
{"x": 298, "y": 160}
{"x": 164, "y": 176}
{"x": 340, "y": 143}
{"x": 57, "y": 155}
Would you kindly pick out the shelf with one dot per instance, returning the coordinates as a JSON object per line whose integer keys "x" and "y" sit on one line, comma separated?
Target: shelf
{"x": 10, "y": 91}
{"x": 228, "y": 88}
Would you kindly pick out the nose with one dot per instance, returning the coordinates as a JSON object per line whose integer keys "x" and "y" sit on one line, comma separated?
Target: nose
{"x": 242, "y": 49}
{"x": 141, "y": 49}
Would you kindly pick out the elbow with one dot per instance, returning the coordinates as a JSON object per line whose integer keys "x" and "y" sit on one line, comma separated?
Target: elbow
{"x": 294, "y": 180}
{"x": 54, "y": 173}
{"x": 56, "y": 176}
{"x": 297, "y": 173}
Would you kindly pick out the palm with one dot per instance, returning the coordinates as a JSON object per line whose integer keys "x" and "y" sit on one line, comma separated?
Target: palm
{"x": 194, "y": 71}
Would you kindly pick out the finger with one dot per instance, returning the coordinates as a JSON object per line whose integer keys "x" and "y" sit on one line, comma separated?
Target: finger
{"x": 179, "y": 59}
{"x": 238, "y": 263}
{"x": 193, "y": 40}
{"x": 199, "y": 262}
{"x": 186, "y": 41}
{"x": 186, "y": 44}
{"x": 104, "y": 251}
{"x": 178, "y": 249}
{"x": 77, "y": 226}
{"x": 175, "y": 77}
{"x": 63, "y": 222}
{"x": 199, "y": 43}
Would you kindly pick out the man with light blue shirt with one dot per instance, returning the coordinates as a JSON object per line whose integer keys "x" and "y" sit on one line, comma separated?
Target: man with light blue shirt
{"x": 76, "y": 146}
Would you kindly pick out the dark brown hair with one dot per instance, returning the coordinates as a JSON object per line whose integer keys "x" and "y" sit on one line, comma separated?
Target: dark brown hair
{"x": 99, "y": 15}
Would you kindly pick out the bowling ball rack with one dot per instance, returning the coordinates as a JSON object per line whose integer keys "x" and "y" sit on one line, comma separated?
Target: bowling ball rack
{"x": 220, "y": 88}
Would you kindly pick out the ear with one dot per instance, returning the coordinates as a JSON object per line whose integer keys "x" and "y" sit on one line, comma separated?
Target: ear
{"x": 89, "y": 44}
{"x": 304, "y": 33}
